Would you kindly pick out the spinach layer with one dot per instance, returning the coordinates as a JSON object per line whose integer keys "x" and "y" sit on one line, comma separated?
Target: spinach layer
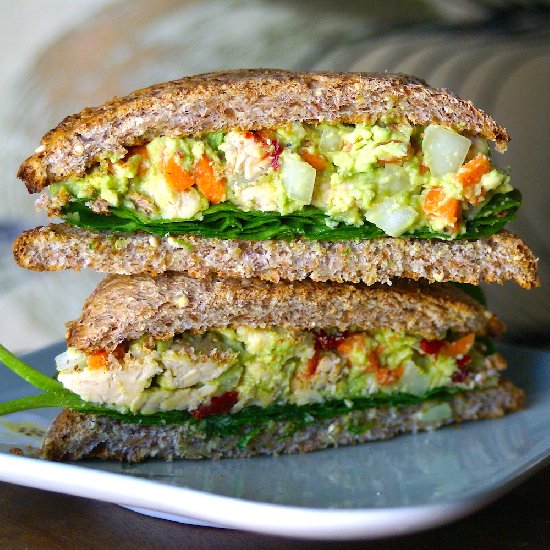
{"x": 226, "y": 221}
{"x": 298, "y": 415}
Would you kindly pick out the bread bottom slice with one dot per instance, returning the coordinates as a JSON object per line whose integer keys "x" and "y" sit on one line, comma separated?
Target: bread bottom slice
{"x": 75, "y": 436}
{"x": 495, "y": 259}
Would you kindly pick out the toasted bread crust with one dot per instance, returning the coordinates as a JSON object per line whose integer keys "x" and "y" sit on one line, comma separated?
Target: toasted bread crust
{"x": 244, "y": 99}
{"x": 76, "y": 436}
{"x": 171, "y": 303}
{"x": 496, "y": 259}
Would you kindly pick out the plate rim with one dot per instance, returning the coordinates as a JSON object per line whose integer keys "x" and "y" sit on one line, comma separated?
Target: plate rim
{"x": 287, "y": 520}
{"x": 268, "y": 518}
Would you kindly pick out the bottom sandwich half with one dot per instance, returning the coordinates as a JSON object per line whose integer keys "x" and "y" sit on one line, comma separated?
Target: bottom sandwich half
{"x": 174, "y": 367}
{"x": 75, "y": 436}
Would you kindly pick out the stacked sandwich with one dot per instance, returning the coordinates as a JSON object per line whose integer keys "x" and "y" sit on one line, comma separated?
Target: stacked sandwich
{"x": 282, "y": 251}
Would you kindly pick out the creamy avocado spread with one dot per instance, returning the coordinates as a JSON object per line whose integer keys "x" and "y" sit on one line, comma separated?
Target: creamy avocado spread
{"x": 227, "y": 369}
{"x": 396, "y": 178}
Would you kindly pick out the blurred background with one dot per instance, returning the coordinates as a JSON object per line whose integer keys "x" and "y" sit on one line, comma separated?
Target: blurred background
{"x": 60, "y": 56}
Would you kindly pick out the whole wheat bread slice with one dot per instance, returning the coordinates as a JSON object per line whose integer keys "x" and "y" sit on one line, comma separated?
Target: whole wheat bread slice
{"x": 173, "y": 303}
{"x": 245, "y": 99}
{"x": 497, "y": 258}
{"x": 75, "y": 436}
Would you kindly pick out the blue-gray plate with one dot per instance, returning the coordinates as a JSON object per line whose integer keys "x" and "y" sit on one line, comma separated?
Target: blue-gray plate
{"x": 407, "y": 484}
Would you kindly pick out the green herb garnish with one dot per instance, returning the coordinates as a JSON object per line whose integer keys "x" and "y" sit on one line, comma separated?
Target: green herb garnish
{"x": 55, "y": 394}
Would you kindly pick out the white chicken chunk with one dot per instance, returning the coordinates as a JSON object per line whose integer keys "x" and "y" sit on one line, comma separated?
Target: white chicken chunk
{"x": 245, "y": 156}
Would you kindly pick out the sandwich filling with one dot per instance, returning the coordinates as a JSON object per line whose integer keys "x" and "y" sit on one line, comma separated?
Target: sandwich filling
{"x": 320, "y": 181}
{"x": 227, "y": 370}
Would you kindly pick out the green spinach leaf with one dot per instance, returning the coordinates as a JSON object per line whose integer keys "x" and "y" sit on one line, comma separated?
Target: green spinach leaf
{"x": 226, "y": 221}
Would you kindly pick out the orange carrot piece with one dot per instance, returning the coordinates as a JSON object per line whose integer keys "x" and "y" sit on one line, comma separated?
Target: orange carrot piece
{"x": 178, "y": 178}
{"x": 135, "y": 150}
{"x": 472, "y": 171}
{"x": 97, "y": 360}
{"x": 433, "y": 199}
{"x": 438, "y": 205}
{"x": 141, "y": 150}
{"x": 319, "y": 162}
{"x": 470, "y": 174}
{"x": 386, "y": 377}
{"x": 373, "y": 364}
{"x": 212, "y": 188}
{"x": 458, "y": 347}
{"x": 312, "y": 364}
{"x": 350, "y": 343}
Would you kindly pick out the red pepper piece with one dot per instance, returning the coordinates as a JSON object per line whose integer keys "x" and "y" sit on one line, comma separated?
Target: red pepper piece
{"x": 431, "y": 347}
{"x": 275, "y": 154}
{"x": 323, "y": 341}
{"x": 463, "y": 368}
{"x": 273, "y": 147}
{"x": 219, "y": 404}
{"x": 313, "y": 362}
{"x": 460, "y": 375}
{"x": 329, "y": 341}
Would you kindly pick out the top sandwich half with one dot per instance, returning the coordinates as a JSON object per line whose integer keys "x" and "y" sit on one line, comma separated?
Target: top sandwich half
{"x": 261, "y": 155}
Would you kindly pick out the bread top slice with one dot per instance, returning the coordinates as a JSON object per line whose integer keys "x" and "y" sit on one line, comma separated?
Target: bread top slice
{"x": 246, "y": 100}
{"x": 127, "y": 307}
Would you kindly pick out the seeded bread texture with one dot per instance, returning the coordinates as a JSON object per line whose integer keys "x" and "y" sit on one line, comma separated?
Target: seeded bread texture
{"x": 493, "y": 259}
{"x": 76, "y": 436}
{"x": 244, "y": 99}
{"x": 172, "y": 303}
